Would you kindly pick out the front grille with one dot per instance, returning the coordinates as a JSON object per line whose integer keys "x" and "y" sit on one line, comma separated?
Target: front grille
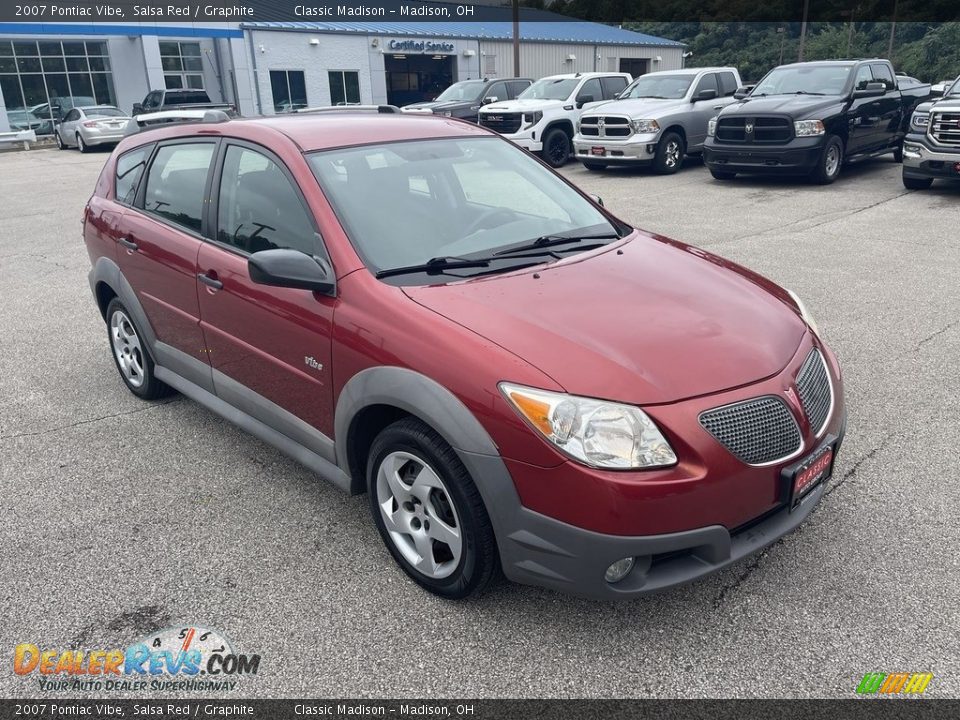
{"x": 757, "y": 431}
{"x": 945, "y": 128}
{"x": 610, "y": 126}
{"x": 504, "y": 123}
{"x": 761, "y": 130}
{"x": 813, "y": 386}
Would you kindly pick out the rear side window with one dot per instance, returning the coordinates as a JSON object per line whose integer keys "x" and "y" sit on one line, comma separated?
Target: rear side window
{"x": 613, "y": 86}
{"x": 176, "y": 183}
{"x": 129, "y": 169}
{"x": 259, "y": 209}
{"x": 728, "y": 84}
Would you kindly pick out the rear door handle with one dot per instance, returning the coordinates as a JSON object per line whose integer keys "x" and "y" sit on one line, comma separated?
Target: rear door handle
{"x": 210, "y": 281}
{"x": 128, "y": 243}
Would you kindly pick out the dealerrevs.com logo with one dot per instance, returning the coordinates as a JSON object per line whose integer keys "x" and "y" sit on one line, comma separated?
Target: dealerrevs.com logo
{"x": 894, "y": 683}
{"x": 175, "y": 659}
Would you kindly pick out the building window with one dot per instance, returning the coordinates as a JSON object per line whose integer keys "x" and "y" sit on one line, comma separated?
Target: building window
{"x": 490, "y": 65}
{"x": 41, "y": 79}
{"x": 289, "y": 90}
{"x": 344, "y": 87}
{"x": 182, "y": 65}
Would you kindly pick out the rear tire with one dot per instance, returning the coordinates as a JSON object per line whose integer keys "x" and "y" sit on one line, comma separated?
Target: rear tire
{"x": 556, "y": 148}
{"x": 911, "y": 183}
{"x": 829, "y": 163}
{"x": 722, "y": 174}
{"x": 595, "y": 166}
{"x": 439, "y": 532}
{"x": 81, "y": 145}
{"x": 670, "y": 153}
{"x": 130, "y": 354}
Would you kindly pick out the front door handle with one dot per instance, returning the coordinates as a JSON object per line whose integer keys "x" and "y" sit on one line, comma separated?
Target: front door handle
{"x": 210, "y": 280}
{"x": 718, "y": 107}
{"x": 128, "y": 243}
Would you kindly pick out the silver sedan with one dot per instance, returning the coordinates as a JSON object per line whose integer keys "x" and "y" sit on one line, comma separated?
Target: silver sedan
{"x": 86, "y": 127}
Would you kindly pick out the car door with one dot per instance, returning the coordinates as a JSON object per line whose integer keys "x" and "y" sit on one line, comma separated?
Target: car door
{"x": 159, "y": 240}
{"x": 890, "y": 106}
{"x": 702, "y": 110}
{"x": 68, "y": 128}
{"x": 270, "y": 347}
{"x": 864, "y": 115}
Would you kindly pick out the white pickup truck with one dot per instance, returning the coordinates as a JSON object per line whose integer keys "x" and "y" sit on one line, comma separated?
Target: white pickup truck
{"x": 659, "y": 119}
{"x": 543, "y": 118}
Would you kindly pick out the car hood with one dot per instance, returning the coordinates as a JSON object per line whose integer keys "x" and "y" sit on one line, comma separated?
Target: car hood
{"x": 642, "y": 108}
{"x": 949, "y": 104}
{"x": 792, "y": 105}
{"x": 441, "y": 106}
{"x": 528, "y": 105}
{"x": 658, "y": 322}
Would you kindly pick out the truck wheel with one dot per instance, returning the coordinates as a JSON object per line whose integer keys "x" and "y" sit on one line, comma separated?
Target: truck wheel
{"x": 828, "y": 165}
{"x": 429, "y": 512}
{"x": 556, "y": 148}
{"x": 670, "y": 152}
{"x": 722, "y": 174}
{"x": 911, "y": 183}
{"x": 595, "y": 166}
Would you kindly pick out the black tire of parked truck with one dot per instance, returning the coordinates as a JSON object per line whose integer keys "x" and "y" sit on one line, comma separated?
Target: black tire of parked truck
{"x": 670, "y": 153}
{"x": 915, "y": 183}
{"x": 556, "y": 148}
{"x": 829, "y": 163}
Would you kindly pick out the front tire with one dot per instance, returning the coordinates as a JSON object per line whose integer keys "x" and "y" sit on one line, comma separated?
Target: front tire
{"x": 670, "y": 153}
{"x": 60, "y": 145}
{"x": 911, "y": 183}
{"x": 556, "y": 148}
{"x": 81, "y": 145}
{"x": 130, "y": 355}
{"x": 828, "y": 165}
{"x": 429, "y": 512}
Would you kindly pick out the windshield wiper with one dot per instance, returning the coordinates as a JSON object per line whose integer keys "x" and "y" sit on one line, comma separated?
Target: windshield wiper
{"x": 435, "y": 265}
{"x": 546, "y": 241}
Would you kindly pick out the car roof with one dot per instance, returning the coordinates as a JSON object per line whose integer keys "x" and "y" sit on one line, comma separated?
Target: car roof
{"x": 325, "y": 131}
{"x": 688, "y": 71}
{"x": 577, "y": 76}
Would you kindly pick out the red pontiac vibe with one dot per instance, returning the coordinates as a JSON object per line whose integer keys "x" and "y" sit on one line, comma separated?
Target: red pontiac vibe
{"x": 415, "y": 308}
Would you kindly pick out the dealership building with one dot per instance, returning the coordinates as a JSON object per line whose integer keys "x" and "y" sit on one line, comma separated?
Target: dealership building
{"x": 270, "y": 67}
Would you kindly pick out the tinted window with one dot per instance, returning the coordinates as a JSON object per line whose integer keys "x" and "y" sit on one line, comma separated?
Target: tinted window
{"x": 864, "y": 77}
{"x": 728, "y": 84}
{"x": 153, "y": 100}
{"x": 129, "y": 169}
{"x": 176, "y": 183}
{"x": 259, "y": 209}
{"x": 72, "y": 115}
{"x": 497, "y": 90}
{"x": 881, "y": 73}
{"x": 707, "y": 82}
{"x": 591, "y": 88}
{"x": 613, "y": 86}
{"x": 103, "y": 112}
{"x": 516, "y": 87}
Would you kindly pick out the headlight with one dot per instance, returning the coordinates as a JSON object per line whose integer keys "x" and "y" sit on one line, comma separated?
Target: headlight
{"x": 595, "y": 432}
{"x": 804, "y": 313}
{"x": 920, "y": 121}
{"x": 806, "y": 128}
{"x": 712, "y": 127}
{"x": 532, "y": 118}
{"x": 644, "y": 127}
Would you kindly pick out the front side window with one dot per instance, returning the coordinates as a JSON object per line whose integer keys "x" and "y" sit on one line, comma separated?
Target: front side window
{"x": 804, "y": 80}
{"x": 498, "y": 90}
{"x": 176, "y": 183}
{"x": 344, "y": 87}
{"x": 129, "y": 169}
{"x": 258, "y": 208}
{"x": 728, "y": 84}
{"x": 881, "y": 73}
{"x": 590, "y": 92}
{"x": 613, "y": 86}
{"x": 707, "y": 82}
{"x": 663, "y": 87}
{"x": 462, "y": 91}
{"x": 550, "y": 89}
{"x": 458, "y": 197}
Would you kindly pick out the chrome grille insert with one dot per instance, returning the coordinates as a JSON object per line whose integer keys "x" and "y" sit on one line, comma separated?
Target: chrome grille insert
{"x": 609, "y": 126}
{"x": 945, "y": 128}
{"x": 815, "y": 391}
{"x": 758, "y": 431}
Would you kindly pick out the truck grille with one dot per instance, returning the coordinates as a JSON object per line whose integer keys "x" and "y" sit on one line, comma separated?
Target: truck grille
{"x": 760, "y": 130}
{"x": 757, "y": 431}
{"x": 945, "y": 128}
{"x": 605, "y": 126}
{"x": 813, "y": 387}
{"x": 503, "y": 123}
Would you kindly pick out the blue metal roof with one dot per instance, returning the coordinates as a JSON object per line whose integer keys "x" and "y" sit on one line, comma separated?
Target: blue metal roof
{"x": 557, "y": 31}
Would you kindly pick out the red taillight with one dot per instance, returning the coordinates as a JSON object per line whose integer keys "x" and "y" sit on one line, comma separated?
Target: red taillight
{"x": 91, "y": 124}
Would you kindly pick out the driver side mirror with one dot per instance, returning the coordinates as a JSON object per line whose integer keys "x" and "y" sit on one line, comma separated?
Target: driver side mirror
{"x": 583, "y": 100}
{"x": 743, "y": 91}
{"x": 874, "y": 89}
{"x": 707, "y": 94}
{"x": 291, "y": 269}
{"x": 489, "y": 99}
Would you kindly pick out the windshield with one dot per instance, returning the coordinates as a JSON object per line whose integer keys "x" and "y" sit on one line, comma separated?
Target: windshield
{"x": 955, "y": 89}
{"x": 673, "y": 87}
{"x": 102, "y": 112}
{"x": 451, "y": 197}
{"x": 549, "y": 89}
{"x": 806, "y": 80}
{"x": 468, "y": 90}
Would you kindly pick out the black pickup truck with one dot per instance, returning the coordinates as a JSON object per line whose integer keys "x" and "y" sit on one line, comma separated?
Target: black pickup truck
{"x": 810, "y": 118}
{"x": 162, "y": 100}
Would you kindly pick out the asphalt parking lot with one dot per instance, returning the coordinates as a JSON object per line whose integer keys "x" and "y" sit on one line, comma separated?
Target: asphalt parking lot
{"x": 119, "y": 517}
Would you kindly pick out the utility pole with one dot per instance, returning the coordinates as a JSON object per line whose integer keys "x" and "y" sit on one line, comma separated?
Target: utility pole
{"x": 782, "y": 32}
{"x": 893, "y": 30}
{"x": 850, "y": 31}
{"x": 516, "y": 38}
{"x": 803, "y": 29}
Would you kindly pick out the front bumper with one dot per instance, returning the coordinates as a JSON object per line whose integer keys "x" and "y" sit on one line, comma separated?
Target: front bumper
{"x": 635, "y": 150}
{"x": 923, "y": 159}
{"x": 799, "y": 156}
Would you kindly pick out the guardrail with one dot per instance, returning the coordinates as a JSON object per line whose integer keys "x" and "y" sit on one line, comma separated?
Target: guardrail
{"x": 18, "y": 136}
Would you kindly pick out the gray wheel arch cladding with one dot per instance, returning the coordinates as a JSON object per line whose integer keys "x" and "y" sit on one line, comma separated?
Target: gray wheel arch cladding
{"x": 108, "y": 272}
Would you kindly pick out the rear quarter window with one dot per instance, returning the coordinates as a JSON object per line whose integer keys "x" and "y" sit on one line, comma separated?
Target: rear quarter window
{"x": 129, "y": 170}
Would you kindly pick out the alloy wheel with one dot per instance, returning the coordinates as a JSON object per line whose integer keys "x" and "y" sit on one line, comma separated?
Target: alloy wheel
{"x": 672, "y": 154}
{"x": 832, "y": 162}
{"x": 558, "y": 149}
{"x": 419, "y": 515}
{"x": 127, "y": 348}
